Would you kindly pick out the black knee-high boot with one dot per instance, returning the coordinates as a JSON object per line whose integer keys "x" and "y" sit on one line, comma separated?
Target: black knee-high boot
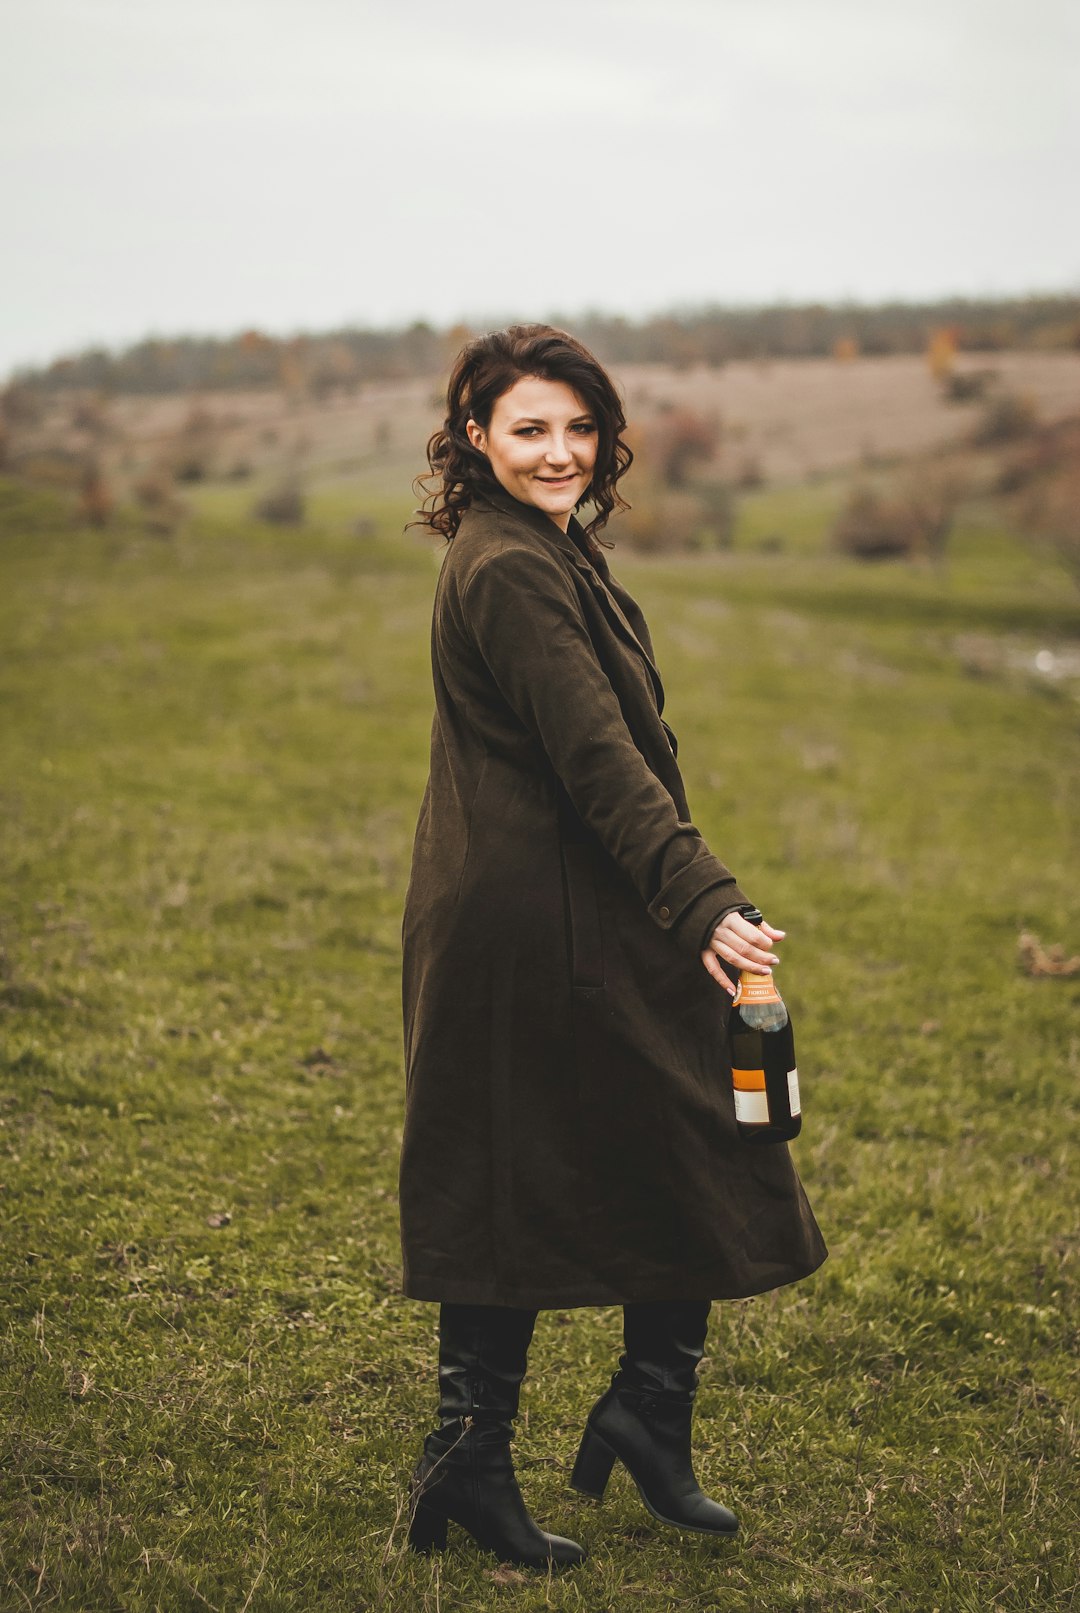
{"x": 644, "y": 1418}
{"x": 465, "y": 1472}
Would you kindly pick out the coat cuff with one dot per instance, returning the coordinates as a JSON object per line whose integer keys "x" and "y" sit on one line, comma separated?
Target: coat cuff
{"x": 683, "y": 907}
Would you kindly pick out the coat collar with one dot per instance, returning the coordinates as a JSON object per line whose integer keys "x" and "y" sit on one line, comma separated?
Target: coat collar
{"x": 595, "y": 574}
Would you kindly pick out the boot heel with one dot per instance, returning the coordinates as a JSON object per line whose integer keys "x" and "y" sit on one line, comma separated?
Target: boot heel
{"x": 427, "y": 1529}
{"x": 592, "y": 1469}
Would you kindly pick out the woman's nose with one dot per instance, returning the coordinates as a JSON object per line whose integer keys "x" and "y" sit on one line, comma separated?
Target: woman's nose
{"x": 558, "y": 451}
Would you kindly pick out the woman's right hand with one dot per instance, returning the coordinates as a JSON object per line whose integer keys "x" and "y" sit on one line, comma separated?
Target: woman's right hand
{"x": 739, "y": 943}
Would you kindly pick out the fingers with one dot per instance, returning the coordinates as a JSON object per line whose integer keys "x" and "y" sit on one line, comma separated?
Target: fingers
{"x": 745, "y": 954}
{"x": 745, "y": 945}
{"x": 754, "y": 961}
{"x": 718, "y": 974}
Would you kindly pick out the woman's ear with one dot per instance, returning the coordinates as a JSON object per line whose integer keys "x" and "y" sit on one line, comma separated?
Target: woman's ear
{"x": 476, "y": 435}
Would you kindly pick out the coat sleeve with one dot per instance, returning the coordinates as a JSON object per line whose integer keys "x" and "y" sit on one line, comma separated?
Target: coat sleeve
{"x": 523, "y": 614}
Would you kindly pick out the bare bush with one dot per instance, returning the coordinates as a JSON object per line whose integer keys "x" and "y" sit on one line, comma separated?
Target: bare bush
{"x": 161, "y": 509}
{"x": 967, "y": 386}
{"x": 669, "y": 510}
{"x": 914, "y": 523}
{"x": 194, "y": 447}
{"x": 1009, "y": 417}
{"x": 90, "y": 413}
{"x": 95, "y": 496}
{"x": 659, "y": 520}
{"x": 1056, "y": 517}
{"x": 670, "y": 519}
{"x": 749, "y": 473}
{"x": 1048, "y": 448}
{"x": 718, "y": 510}
{"x": 1050, "y": 507}
{"x": 870, "y": 528}
{"x": 282, "y": 506}
{"x": 677, "y": 440}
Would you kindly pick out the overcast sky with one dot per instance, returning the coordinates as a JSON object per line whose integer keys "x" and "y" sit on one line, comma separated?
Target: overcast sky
{"x": 207, "y": 165}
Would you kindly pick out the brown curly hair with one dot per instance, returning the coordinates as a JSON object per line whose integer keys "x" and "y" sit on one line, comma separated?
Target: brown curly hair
{"x": 487, "y": 367}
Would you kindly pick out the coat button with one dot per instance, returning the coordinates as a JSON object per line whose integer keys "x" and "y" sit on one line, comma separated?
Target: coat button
{"x": 665, "y": 912}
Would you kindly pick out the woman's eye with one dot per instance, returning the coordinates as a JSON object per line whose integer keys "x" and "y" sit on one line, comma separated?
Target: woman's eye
{"x": 583, "y": 428}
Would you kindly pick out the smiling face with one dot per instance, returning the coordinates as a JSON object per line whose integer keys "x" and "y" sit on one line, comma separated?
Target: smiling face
{"x": 541, "y": 442}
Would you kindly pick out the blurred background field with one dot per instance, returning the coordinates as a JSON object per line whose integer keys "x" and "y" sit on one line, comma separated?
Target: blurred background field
{"x": 861, "y": 575}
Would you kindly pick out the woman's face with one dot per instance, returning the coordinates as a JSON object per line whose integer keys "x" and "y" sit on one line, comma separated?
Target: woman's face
{"x": 541, "y": 442}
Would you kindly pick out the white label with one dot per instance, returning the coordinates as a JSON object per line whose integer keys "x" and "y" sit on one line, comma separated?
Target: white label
{"x": 793, "y": 1092}
{"x": 751, "y": 1108}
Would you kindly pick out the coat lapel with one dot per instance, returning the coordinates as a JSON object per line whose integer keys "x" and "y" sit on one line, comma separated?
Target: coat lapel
{"x": 615, "y": 613}
{"x": 537, "y": 521}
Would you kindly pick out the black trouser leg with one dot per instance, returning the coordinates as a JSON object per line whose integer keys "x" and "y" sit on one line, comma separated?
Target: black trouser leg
{"x": 465, "y": 1472}
{"x": 644, "y": 1418}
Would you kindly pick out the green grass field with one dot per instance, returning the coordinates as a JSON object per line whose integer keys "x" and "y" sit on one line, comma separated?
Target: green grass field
{"x": 213, "y": 751}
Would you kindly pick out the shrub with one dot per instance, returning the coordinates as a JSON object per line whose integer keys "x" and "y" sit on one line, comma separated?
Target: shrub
{"x": 282, "y": 506}
{"x": 90, "y": 412}
{"x": 1006, "y": 418}
{"x": 1049, "y": 448}
{"x": 1049, "y": 473}
{"x": 664, "y": 519}
{"x": 869, "y": 528}
{"x": 193, "y": 448}
{"x": 913, "y": 523}
{"x": 967, "y": 386}
{"x": 95, "y": 496}
{"x": 658, "y": 521}
{"x": 1054, "y": 515}
{"x": 750, "y": 474}
{"x": 156, "y": 497}
{"x": 677, "y": 440}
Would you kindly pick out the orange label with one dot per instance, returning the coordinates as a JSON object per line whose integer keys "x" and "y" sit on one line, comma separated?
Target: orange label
{"x": 757, "y": 989}
{"x": 749, "y": 1080}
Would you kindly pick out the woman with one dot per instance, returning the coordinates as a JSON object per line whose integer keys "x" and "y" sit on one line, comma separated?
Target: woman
{"x": 569, "y": 1135}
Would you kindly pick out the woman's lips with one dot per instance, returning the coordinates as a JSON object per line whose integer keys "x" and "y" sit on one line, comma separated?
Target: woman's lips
{"x": 556, "y": 481}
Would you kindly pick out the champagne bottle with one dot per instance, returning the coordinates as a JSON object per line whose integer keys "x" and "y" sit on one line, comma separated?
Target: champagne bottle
{"x": 763, "y": 1069}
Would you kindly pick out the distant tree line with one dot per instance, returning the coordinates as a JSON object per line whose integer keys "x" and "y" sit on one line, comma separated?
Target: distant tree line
{"x": 343, "y": 360}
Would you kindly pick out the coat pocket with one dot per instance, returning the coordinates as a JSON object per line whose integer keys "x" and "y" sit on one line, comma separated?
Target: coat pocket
{"x": 583, "y": 915}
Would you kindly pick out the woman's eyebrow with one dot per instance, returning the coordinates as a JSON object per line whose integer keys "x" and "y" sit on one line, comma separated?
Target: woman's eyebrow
{"x": 536, "y": 420}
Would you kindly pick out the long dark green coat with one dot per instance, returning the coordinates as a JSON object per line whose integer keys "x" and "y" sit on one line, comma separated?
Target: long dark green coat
{"x": 570, "y": 1133}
